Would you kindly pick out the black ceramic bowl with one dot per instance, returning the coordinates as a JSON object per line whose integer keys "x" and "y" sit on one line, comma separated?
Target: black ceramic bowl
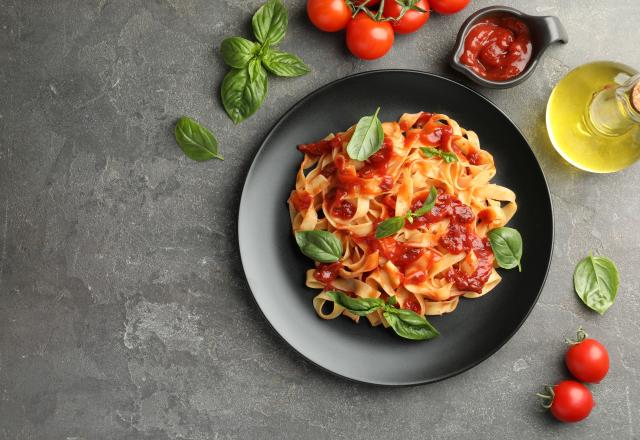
{"x": 545, "y": 30}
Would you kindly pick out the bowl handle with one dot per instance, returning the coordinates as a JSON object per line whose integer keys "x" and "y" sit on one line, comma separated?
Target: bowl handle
{"x": 554, "y": 30}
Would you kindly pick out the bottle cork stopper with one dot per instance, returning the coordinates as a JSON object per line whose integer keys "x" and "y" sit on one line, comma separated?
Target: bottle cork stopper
{"x": 635, "y": 96}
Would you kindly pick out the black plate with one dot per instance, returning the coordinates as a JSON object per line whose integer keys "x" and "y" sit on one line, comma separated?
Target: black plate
{"x": 275, "y": 269}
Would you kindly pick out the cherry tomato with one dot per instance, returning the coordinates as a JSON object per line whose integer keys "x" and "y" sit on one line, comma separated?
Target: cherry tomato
{"x": 448, "y": 6}
{"x": 570, "y": 401}
{"x": 588, "y": 360}
{"x": 329, "y": 15}
{"x": 368, "y": 39}
{"x": 411, "y": 21}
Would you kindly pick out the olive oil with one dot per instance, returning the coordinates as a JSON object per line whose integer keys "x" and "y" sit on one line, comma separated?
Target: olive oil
{"x": 591, "y": 119}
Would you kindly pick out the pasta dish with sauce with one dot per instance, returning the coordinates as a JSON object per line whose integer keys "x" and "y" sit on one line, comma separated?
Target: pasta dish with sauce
{"x": 395, "y": 249}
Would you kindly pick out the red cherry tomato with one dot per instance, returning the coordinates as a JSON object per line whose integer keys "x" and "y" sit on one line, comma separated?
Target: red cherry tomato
{"x": 448, "y": 6}
{"x": 368, "y": 39}
{"x": 329, "y": 15}
{"x": 411, "y": 21}
{"x": 570, "y": 401}
{"x": 588, "y": 360}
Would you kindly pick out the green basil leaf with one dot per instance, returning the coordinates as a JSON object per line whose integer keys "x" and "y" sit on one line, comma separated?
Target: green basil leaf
{"x": 389, "y": 227}
{"x": 241, "y": 94}
{"x": 596, "y": 282}
{"x": 270, "y": 22}
{"x": 409, "y": 325}
{"x": 392, "y": 301}
{"x": 321, "y": 246}
{"x": 196, "y": 141}
{"x": 447, "y": 156}
{"x": 237, "y": 51}
{"x": 428, "y": 204}
{"x": 506, "y": 244}
{"x": 284, "y": 64}
{"x": 256, "y": 71}
{"x": 358, "y": 306}
{"x": 367, "y": 137}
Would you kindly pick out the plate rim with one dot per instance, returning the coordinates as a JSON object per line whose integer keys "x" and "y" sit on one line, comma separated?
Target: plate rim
{"x": 242, "y": 207}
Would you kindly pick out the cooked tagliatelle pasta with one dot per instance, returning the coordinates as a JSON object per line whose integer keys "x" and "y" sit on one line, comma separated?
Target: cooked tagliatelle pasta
{"x": 432, "y": 259}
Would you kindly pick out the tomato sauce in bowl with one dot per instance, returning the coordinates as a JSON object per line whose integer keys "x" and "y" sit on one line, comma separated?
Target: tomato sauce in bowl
{"x": 498, "y": 48}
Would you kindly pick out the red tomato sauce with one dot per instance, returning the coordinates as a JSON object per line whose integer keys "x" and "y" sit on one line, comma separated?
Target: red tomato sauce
{"x": 327, "y": 273}
{"x": 447, "y": 206}
{"x": 498, "y": 48}
{"x": 475, "y": 281}
{"x": 301, "y": 200}
{"x": 460, "y": 238}
{"x": 412, "y": 304}
{"x": 321, "y": 147}
{"x": 340, "y": 207}
{"x": 378, "y": 163}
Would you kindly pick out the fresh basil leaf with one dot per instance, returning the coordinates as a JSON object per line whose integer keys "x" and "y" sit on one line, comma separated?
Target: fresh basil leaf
{"x": 428, "y": 204}
{"x": 321, "y": 246}
{"x": 256, "y": 71}
{"x": 409, "y": 325}
{"x": 447, "y": 156}
{"x": 367, "y": 137}
{"x": 237, "y": 51}
{"x": 196, "y": 141}
{"x": 358, "y": 306}
{"x": 284, "y": 64}
{"x": 507, "y": 247}
{"x": 270, "y": 22}
{"x": 389, "y": 227}
{"x": 392, "y": 301}
{"x": 596, "y": 282}
{"x": 241, "y": 94}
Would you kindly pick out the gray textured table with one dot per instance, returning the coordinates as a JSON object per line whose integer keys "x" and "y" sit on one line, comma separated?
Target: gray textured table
{"x": 124, "y": 312}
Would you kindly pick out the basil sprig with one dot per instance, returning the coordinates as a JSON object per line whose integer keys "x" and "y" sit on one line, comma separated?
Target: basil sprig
{"x": 447, "y": 156}
{"x": 506, "y": 244}
{"x": 367, "y": 137}
{"x": 393, "y": 224}
{"x": 406, "y": 323}
{"x": 196, "y": 141}
{"x": 321, "y": 246}
{"x": 596, "y": 281}
{"x": 244, "y": 88}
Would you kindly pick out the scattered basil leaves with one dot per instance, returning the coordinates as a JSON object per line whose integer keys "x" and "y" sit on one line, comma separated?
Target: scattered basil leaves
{"x": 238, "y": 51}
{"x": 393, "y": 224}
{"x": 447, "y": 156}
{"x": 270, "y": 22}
{"x": 596, "y": 281}
{"x": 409, "y": 325}
{"x": 357, "y": 306}
{"x": 428, "y": 204}
{"x": 321, "y": 246}
{"x": 506, "y": 244}
{"x": 284, "y": 64}
{"x": 367, "y": 137}
{"x": 244, "y": 88}
{"x": 197, "y": 142}
{"x": 389, "y": 227}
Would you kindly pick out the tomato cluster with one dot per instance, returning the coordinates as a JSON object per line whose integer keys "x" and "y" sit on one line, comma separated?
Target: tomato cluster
{"x": 588, "y": 361}
{"x": 372, "y": 24}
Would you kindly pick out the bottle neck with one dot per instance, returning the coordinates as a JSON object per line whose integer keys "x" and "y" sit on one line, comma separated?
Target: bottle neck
{"x": 612, "y": 111}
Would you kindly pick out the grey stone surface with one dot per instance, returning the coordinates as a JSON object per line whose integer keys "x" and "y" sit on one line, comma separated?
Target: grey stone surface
{"x": 124, "y": 313}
